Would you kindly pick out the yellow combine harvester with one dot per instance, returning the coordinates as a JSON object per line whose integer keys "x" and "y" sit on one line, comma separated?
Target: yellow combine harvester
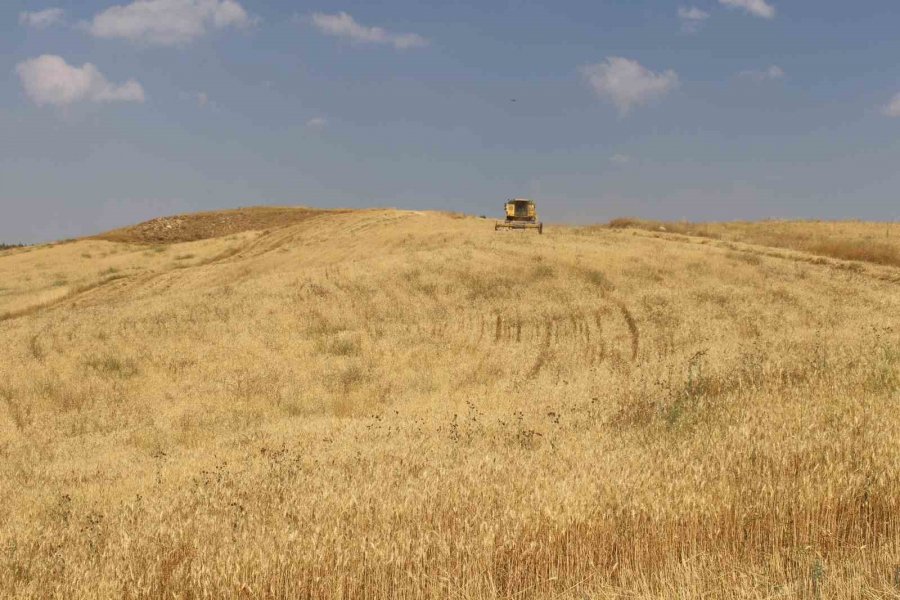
{"x": 520, "y": 214}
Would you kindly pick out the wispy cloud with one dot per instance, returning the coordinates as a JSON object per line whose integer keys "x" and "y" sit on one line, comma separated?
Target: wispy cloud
{"x": 200, "y": 99}
{"x": 627, "y": 83}
{"x": 770, "y": 73}
{"x": 345, "y": 26}
{"x": 758, "y": 8}
{"x": 620, "y": 159}
{"x": 317, "y": 123}
{"x": 692, "y": 18}
{"x": 168, "y": 22}
{"x": 42, "y": 19}
{"x": 892, "y": 109}
{"x": 48, "y": 79}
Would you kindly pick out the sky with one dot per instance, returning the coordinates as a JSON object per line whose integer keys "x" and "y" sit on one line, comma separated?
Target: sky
{"x": 116, "y": 111}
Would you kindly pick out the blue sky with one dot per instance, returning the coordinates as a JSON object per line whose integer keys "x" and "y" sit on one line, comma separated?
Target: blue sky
{"x": 115, "y": 111}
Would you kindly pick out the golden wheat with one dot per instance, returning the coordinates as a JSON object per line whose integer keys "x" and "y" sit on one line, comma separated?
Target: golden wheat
{"x": 391, "y": 404}
{"x": 877, "y": 243}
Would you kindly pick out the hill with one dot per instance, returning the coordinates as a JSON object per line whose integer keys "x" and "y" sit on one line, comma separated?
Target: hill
{"x": 397, "y": 404}
{"x": 206, "y": 225}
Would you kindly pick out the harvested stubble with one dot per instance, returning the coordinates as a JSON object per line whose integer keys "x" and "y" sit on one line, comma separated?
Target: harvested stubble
{"x": 406, "y": 405}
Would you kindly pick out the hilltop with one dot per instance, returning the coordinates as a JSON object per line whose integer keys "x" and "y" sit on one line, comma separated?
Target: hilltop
{"x": 282, "y": 403}
{"x": 205, "y": 225}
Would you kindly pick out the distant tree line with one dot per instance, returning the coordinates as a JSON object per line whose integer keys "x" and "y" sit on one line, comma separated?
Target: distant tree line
{"x": 8, "y": 246}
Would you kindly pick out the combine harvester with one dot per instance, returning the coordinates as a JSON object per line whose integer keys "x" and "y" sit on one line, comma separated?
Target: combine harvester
{"x": 520, "y": 214}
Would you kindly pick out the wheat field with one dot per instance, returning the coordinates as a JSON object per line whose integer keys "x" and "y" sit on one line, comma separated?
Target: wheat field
{"x": 401, "y": 404}
{"x": 877, "y": 243}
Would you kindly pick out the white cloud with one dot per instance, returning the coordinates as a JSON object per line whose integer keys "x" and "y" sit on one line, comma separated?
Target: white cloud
{"x": 692, "y": 18}
{"x": 775, "y": 72}
{"x": 345, "y": 26}
{"x": 627, "y": 83}
{"x": 43, "y": 18}
{"x": 317, "y": 123}
{"x": 893, "y": 107}
{"x": 768, "y": 74}
{"x": 168, "y": 22}
{"x": 759, "y": 8}
{"x": 620, "y": 159}
{"x": 48, "y": 79}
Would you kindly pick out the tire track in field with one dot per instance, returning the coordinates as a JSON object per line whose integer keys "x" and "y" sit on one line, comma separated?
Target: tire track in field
{"x": 587, "y": 337}
{"x": 267, "y": 241}
{"x": 119, "y": 283}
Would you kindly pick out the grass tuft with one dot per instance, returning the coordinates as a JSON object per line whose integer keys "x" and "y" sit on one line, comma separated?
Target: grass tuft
{"x": 113, "y": 366}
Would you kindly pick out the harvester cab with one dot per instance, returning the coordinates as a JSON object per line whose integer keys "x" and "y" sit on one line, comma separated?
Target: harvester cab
{"x": 520, "y": 214}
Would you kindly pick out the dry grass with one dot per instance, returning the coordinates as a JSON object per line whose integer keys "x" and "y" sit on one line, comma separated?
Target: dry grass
{"x": 206, "y": 225}
{"x": 406, "y": 405}
{"x": 877, "y": 243}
